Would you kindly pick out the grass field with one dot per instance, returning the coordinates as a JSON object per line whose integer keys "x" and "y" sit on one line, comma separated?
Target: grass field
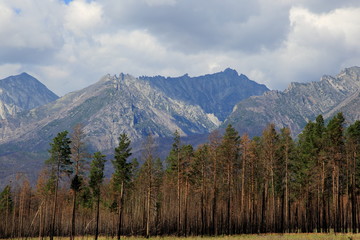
{"x": 309, "y": 236}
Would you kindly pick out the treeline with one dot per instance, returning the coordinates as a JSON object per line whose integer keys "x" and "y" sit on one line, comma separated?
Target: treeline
{"x": 230, "y": 185}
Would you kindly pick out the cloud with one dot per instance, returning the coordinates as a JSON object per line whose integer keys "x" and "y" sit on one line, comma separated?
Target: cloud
{"x": 69, "y": 45}
{"x": 26, "y": 31}
{"x": 160, "y": 2}
{"x": 318, "y": 44}
{"x": 83, "y": 17}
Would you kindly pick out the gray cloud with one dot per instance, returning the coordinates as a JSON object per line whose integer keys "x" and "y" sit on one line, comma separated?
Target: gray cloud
{"x": 69, "y": 46}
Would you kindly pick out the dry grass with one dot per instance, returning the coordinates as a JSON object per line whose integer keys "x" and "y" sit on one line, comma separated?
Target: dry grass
{"x": 310, "y": 236}
{"x": 294, "y": 236}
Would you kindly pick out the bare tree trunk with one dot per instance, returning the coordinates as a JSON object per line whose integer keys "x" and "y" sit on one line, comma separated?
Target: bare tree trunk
{"x": 186, "y": 207}
{"x": 353, "y": 197}
{"x": 178, "y": 197}
{"x": 324, "y": 216}
{"x": 214, "y": 205}
{"x": 52, "y": 226}
{"x": 242, "y": 209}
{"x": 286, "y": 207}
{"x": 263, "y": 210}
{"x": 73, "y": 217}
{"x": 120, "y": 211}
{"x": 41, "y": 213}
{"x": 148, "y": 208}
{"x": 202, "y": 200}
{"x": 97, "y": 217}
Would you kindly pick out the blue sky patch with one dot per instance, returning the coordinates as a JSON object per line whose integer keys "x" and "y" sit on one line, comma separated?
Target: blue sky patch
{"x": 17, "y": 10}
{"x": 67, "y": 1}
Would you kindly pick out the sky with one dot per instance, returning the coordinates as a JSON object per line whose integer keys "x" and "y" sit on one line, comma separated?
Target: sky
{"x": 70, "y": 44}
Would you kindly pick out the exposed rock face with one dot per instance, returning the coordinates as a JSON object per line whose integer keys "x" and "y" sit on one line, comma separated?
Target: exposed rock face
{"x": 215, "y": 93}
{"x": 300, "y": 103}
{"x": 106, "y": 109}
{"x": 118, "y": 104}
{"x": 22, "y": 92}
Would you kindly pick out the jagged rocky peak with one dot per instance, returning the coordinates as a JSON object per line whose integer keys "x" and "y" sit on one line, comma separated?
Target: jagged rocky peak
{"x": 215, "y": 93}
{"x": 113, "y": 105}
{"x": 352, "y": 73}
{"x": 299, "y": 103}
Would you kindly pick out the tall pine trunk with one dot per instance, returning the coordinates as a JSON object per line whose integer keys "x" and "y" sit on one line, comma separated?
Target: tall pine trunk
{"x": 120, "y": 211}
{"x": 97, "y": 216}
{"x": 73, "y": 217}
{"x": 148, "y": 208}
{"x": 52, "y": 226}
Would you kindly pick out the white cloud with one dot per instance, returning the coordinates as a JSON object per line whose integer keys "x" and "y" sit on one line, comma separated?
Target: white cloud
{"x": 71, "y": 46}
{"x": 9, "y": 70}
{"x": 83, "y": 17}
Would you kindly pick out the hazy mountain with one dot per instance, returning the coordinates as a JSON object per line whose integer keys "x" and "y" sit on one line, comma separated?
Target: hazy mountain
{"x": 22, "y": 92}
{"x": 215, "y": 93}
{"x": 300, "y": 103}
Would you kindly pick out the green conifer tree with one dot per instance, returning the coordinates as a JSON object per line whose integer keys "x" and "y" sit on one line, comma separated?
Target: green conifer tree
{"x": 122, "y": 174}
{"x": 96, "y": 179}
{"x": 60, "y": 162}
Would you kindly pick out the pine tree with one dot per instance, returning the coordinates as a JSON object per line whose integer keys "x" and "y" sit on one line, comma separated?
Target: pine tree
{"x": 353, "y": 152}
{"x": 96, "y": 179}
{"x": 59, "y": 162}
{"x": 201, "y": 170}
{"x": 230, "y": 153}
{"x": 79, "y": 156}
{"x": 122, "y": 174}
{"x": 287, "y": 148}
{"x": 6, "y": 207}
{"x": 186, "y": 156}
{"x": 174, "y": 169}
{"x": 335, "y": 143}
{"x": 150, "y": 175}
{"x": 269, "y": 144}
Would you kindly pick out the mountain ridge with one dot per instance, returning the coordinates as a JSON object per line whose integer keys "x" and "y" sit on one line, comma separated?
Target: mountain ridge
{"x": 298, "y": 104}
{"x": 216, "y": 93}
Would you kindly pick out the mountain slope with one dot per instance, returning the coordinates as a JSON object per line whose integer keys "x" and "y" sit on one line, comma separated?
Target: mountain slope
{"x": 22, "y": 92}
{"x": 215, "y": 93}
{"x": 299, "y": 103}
{"x": 106, "y": 109}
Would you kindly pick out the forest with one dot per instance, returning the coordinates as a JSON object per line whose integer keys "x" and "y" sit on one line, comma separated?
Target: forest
{"x": 230, "y": 185}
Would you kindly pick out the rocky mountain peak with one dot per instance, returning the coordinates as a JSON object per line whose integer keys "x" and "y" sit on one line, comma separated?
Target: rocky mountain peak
{"x": 231, "y": 72}
{"x": 299, "y": 103}
{"x": 352, "y": 73}
{"x": 22, "y": 92}
{"x": 215, "y": 93}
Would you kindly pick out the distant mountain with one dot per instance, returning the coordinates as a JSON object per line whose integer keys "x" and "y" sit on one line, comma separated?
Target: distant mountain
{"x": 215, "y": 93}
{"x": 300, "y": 103}
{"x": 123, "y": 103}
{"x": 114, "y": 105}
{"x": 22, "y": 92}
{"x": 106, "y": 109}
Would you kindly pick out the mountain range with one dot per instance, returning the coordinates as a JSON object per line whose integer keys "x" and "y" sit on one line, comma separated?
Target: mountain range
{"x": 215, "y": 93}
{"x": 300, "y": 103}
{"x": 31, "y": 115}
{"x": 123, "y": 103}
